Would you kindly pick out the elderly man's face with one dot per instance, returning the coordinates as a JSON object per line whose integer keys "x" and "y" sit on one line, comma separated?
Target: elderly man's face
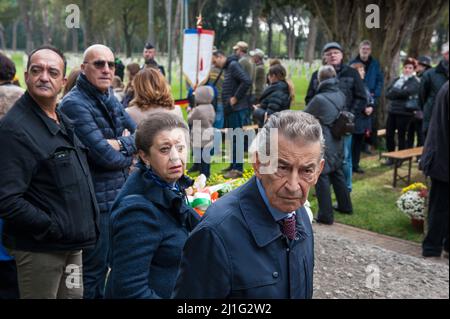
{"x": 445, "y": 56}
{"x": 299, "y": 167}
{"x": 364, "y": 52}
{"x": 333, "y": 57}
{"x": 99, "y": 68}
{"x": 45, "y": 76}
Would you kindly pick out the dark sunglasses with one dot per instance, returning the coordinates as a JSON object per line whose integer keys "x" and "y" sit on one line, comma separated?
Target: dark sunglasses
{"x": 100, "y": 64}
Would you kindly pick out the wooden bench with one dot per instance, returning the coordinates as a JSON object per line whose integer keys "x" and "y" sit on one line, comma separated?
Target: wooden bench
{"x": 381, "y": 133}
{"x": 399, "y": 157}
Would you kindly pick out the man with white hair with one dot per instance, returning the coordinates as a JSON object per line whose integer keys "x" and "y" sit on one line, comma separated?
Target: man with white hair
{"x": 430, "y": 84}
{"x": 257, "y": 242}
{"x": 104, "y": 127}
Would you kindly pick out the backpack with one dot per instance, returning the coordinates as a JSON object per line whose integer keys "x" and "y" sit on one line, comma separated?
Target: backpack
{"x": 344, "y": 123}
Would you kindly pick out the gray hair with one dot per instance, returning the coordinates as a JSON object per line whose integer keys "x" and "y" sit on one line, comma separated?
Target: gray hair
{"x": 326, "y": 72}
{"x": 293, "y": 125}
{"x": 365, "y": 43}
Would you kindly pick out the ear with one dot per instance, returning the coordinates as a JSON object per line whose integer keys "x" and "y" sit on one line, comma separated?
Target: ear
{"x": 321, "y": 166}
{"x": 144, "y": 157}
{"x": 256, "y": 165}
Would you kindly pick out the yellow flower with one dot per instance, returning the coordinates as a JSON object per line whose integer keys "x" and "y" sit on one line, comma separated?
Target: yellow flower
{"x": 414, "y": 187}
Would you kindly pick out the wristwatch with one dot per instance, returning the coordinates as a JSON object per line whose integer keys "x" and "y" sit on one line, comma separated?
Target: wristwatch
{"x": 121, "y": 145}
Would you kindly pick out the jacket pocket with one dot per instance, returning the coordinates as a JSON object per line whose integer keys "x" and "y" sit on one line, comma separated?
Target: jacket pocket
{"x": 62, "y": 163}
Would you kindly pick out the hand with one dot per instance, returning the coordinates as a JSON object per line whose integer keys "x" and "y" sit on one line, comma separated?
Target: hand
{"x": 256, "y": 106}
{"x": 114, "y": 144}
{"x": 368, "y": 110}
{"x": 126, "y": 133}
{"x": 233, "y": 101}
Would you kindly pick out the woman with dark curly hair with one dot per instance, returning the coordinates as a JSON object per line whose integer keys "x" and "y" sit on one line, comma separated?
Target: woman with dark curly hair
{"x": 151, "y": 93}
{"x": 9, "y": 92}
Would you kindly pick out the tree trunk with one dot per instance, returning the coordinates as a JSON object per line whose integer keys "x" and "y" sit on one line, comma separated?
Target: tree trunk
{"x": 46, "y": 37}
{"x": 74, "y": 40}
{"x": 176, "y": 25}
{"x": 87, "y": 28}
{"x": 311, "y": 42}
{"x": 270, "y": 37}
{"x": 151, "y": 22}
{"x": 424, "y": 26}
{"x": 169, "y": 38}
{"x": 28, "y": 22}
{"x": 255, "y": 34}
{"x": 2, "y": 37}
{"x": 14, "y": 34}
{"x": 290, "y": 41}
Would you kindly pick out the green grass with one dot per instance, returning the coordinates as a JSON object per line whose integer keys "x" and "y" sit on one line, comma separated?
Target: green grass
{"x": 374, "y": 198}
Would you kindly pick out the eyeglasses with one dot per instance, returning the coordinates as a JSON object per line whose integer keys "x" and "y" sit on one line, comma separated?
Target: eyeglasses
{"x": 100, "y": 64}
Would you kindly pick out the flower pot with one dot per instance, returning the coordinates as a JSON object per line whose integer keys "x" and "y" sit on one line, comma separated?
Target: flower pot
{"x": 417, "y": 224}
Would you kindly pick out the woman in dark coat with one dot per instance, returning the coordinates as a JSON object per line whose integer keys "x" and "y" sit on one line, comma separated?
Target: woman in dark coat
{"x": 326, "y": 106}
{"x": 363, "y": 122}
{"x": 276, "y": 97}
{"x": 150, "y": 218}
{"x": 401, "y": 90}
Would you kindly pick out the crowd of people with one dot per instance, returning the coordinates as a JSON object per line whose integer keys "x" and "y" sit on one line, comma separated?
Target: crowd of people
{"x": 93, "y": 187}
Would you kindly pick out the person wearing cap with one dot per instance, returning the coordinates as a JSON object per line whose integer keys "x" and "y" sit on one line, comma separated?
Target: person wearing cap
{"x": 149, "y": 54}
{"x": 374, "y": 80}
{"x": 430, "y": 84}
{"x": 241, "y": 51}
{"x": 399, "y": 92}
{"x": 351, "y": 84}
{"x": 415, "y": 128}
{"x": 259, "y": 78}
{"x": 423, "y": 65}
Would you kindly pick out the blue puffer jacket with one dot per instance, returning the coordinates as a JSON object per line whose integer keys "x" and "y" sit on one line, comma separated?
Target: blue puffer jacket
{"x": 98, "y": 117}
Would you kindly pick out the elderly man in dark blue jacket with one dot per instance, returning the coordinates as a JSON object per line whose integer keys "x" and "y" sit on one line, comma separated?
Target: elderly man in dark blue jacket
{"x": 104, "y": 127}
{"x": 235, "y": 100}
{"x": 257, "y": 242}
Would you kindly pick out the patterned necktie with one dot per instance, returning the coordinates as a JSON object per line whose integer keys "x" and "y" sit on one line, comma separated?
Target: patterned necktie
{"x": 288, "y": 227}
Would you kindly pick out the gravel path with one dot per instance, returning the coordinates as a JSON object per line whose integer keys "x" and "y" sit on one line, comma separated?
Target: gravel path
{"x": 346, "y": 268}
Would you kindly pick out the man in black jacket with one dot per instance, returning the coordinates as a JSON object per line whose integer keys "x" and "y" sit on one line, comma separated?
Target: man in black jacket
{"x": 47, "y": 199}
{"x": 352, "y": 86}
{"x": 434, "y": 163}
{"x": 234, "y": 96}
{"x": 430, "y": 84}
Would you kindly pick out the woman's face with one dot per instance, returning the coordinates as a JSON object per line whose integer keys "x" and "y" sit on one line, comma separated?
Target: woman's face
{"x": 167, "y": 156}
{"x": 272, "y": 78}
{"x": 362, "y": 73}
{"x": 408, "y": 70}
